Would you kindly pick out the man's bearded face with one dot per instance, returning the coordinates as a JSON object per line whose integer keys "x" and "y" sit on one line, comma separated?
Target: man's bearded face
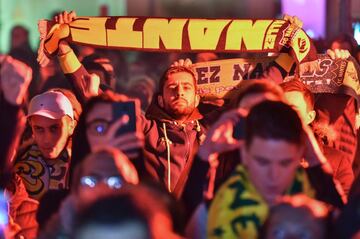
{"x": 179, "y": 98}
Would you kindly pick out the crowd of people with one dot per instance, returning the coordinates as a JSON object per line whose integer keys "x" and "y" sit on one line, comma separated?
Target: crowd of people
{"x": 276, "y": 161}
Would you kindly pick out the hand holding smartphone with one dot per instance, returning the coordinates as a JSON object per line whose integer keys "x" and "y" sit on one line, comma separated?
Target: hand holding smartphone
{"x": 127, "y": 112}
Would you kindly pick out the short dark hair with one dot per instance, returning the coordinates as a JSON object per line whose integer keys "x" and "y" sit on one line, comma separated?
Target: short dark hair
{"x": 299, "y": 86}
{"x": 273, "y": 120}
{"x": 80, "y": 144}
{"x": 112, "y": 210}
{"x": 299, "y": 207}
{"x": 137, "y": 204}
{"x": 172, "y": 70}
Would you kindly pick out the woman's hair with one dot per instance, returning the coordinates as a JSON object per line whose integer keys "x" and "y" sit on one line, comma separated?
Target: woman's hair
{"x": 132, "y": 204}
{"x": 81, "y": 146}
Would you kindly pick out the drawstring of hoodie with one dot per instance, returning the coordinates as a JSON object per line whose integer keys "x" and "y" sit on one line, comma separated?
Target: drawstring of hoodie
{"x": 198, "y": 128}
{"x": 167, "y": 142}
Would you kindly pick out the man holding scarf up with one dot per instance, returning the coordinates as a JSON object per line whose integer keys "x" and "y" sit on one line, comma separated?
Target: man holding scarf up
{"x": 172, "y": 127}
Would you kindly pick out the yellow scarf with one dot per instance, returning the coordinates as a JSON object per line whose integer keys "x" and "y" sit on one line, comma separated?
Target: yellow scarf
{"x": 238, "y": 210}
{"x": 180, "y": 34}
{"x": 40, "y": 175}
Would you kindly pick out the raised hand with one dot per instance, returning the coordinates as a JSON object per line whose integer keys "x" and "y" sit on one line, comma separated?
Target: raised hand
{"x": 181, "y": 62}
{"x": 293, "y": 20}
{"x": 65, "y": 17}
{"x": 129, "y": 143}
{"x": 338, "y": 54}
{"x": 219, "y": 138}
{"x": 15, "y": 79}
{"x": 92, "y": 89}
{"x": 63, "y": 46}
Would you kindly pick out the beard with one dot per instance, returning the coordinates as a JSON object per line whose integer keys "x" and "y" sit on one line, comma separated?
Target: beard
{"x": 179, "y": 111}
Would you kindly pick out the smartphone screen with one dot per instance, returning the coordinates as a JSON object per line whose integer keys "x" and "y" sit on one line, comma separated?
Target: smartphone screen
{"x": 356, "y": 27}
{"x": 3, "y": 214}
{"x": 127, "y": 111}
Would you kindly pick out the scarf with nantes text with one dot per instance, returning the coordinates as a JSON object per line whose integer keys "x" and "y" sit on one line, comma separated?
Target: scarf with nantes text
{"x": 180, "y": 34}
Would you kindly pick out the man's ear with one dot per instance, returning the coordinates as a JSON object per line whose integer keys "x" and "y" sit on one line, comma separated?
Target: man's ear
{"x": 72, "y": 125}
{"x": 310, "y": 116}
{"x": 160, "y": 101}
{"x": 197, "y": 100}
{"x": 75, "y": 123}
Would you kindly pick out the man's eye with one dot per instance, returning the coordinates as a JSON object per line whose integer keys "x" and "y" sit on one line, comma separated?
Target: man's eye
{"x": 54, "y": 128}
{"x": 285, "y": 163}
{"x": 38, "y": 130}
{"x": 262, "y": 162}
{"x": 98, "y": 128}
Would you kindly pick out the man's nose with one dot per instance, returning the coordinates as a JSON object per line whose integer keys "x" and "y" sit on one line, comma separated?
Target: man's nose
{"x": 47, "y": 138}
{"x": 272, "y": 173}
{"x": 179, "y": 91}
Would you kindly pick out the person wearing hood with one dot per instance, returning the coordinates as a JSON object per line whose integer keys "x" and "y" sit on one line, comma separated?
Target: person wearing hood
{"x": 172, "y": 128}
{"x": 171, "y": 124}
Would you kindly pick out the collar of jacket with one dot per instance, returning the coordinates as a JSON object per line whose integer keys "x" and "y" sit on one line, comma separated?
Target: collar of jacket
{"x": 155, "y": 112}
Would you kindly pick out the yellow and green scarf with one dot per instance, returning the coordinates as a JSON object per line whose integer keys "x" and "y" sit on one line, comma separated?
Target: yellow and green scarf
{"x": 238, "y": 210}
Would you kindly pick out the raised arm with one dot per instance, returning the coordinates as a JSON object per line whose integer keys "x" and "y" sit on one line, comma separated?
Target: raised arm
{"x": 14, "y": 82}
{"x": 85, "y": 85}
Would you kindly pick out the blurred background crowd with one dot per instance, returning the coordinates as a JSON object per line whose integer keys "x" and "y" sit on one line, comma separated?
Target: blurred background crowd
{"x": 66, "y": 173}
